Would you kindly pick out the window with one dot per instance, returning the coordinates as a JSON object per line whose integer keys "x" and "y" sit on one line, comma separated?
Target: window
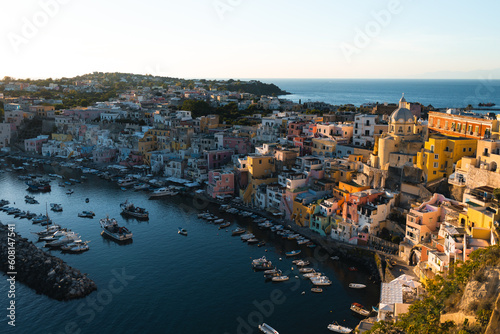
{"x": 464, "y": 149}
{"x": 470, "y": 149}
{"x": 434, "y": 172}
{"x": 436, "y": 165}
{"x": 436, "y": 156}
{"x": 477, "y": 129}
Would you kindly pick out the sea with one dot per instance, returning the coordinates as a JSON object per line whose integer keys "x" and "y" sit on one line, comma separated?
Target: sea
{"x": 438, "y": 93}
{"x": 164, "y": 282}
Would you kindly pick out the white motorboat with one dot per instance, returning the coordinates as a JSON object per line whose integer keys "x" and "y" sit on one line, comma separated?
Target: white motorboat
{"x": 127, "y": 181}
{"x": 77, "y": 246}
{"x": 66, "y": 239}
{"x": 238, "y": 231}
{"x": 86, "y": 214}
{"x": 306, "y": 270}
{"x": 359, "y": 309}
{"x": 321, "y": 281}
{"x": 218, "y": 221}
{"x": 162, "y": 192}
{"x": 265, "y": 328}
{"x": 335, "y": 327}
{"x": 357, "y": 286}
{"x": 247, "y": 236}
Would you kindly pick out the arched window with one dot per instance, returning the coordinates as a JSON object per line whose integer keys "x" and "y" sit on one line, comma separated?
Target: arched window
{"x": 400, "y": 130}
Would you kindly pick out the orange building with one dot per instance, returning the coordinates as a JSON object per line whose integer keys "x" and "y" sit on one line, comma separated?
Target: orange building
{"x": 465, "y": 126}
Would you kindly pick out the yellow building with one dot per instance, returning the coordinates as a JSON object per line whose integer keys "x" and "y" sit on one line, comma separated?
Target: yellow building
{"x": 261, "y": 170}
{"x": 303, "y": 212}
{"x": 351, "y": 187}
{"x": 479, "y": 220}
{"x": 441, "y": 152}
{"x": 62, "y": 137}
{"x": 323, "y": 147}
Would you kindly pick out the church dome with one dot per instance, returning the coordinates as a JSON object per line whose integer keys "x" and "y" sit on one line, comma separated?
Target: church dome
{"x": 401, "y": 115}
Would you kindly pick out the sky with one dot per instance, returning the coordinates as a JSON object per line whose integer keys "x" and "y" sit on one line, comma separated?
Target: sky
{"x": 251, "y": 38}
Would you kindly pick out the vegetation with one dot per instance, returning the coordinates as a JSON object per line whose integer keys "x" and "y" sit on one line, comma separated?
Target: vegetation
{"x": 443, "y": 295}
{"x": 496, "y": 193}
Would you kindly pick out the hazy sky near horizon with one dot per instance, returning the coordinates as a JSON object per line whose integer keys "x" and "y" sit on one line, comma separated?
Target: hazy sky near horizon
{"x": 250, "y": 38}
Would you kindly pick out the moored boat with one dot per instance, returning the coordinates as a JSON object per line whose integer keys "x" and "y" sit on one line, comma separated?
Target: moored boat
{"x": 111, "y": 229}
{"x": 130, "y": 209}
{"x": 280, "y": 278}
{"x": 182, "y": 231}
{"x": 335, "y": 327}
{"x": 359, "y": 309}
{"x": 238, "y": 231}
{"x": 86, "y": 214}
{"x": 316, "y": 290}
{"x": 77, "y": 246}
{"x": 293, "y": 253}
{"x": 357, "y": 286}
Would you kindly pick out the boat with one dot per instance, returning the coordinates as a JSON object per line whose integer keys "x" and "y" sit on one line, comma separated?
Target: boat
{"x": 87, "y": 200}
{"x": 322, "y": 280}
{"x": 66, "y": 238}
{"x": 335, "y": 258}
{"x": 218, "y": 221}
{"x": 306, "y": 270}
{"x": 76, "y": 246}
{"x": 69, "y": 191}
{"x": 293, "y": 253}
{"x": 262, "y": 264}
{"x": 224, "y": 225}
{"x": 357, "y": 286}
{"x": 130, "y": 209}
{"x": 335, "y": 327}
{"x": 359, "y": 309}
{"x": 86, "y": 214}
{"x": 271, "y": 271}
{"x": 311, "y": 244}
{"x": 252, "y": 241}
{"x": 127, "y": 181}
{"x": 280, "y": 278}
{"x": 488, "y": 104}
{"x": 316, "y": 290}
{"x": 238, "y": 231}
{"x": 163, "y": 192}
{"x": 265, "y": 328}
{"x": 302, "y": 241}
{"x": 40, "y": 219}
{"x": 182, "y": 231}
{"x": 111, "y": 229}
{"x": 353, "y": 269}
{"x": 38, "y": 186}
{"x": 48, "y": 231}
{"x": 141, "y": 186}
{"x": 247, "y": 236}
{"x": 56, "y": 207}
{"x": 300, "y": 263}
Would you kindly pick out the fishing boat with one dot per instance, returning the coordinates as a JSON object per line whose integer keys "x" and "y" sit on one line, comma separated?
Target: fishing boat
{"x": 359, "y": 309}
{"x": 265, "y": 328}
{"x": 293, "y": 253}
{"x": 56, "y": 207}
{"x": 130, "y": 209}
{"x": 335, "y": 327}
{"x": 262, "y": 264}
{"x": 357, "y": 286}
{"x": 38, "y": 186}
{"x": 316, "y": 290}
{"x": 182, "y": 231}
{"x": 322, "y": 280}
{"x": 111, "y": 229}
{"x": 86, "y": 214}
{"x": 40, "y": 219}
{"x": 306, "y": 270}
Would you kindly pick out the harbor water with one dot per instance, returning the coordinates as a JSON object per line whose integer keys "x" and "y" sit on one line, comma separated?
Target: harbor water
{"x": 164, "y": 282}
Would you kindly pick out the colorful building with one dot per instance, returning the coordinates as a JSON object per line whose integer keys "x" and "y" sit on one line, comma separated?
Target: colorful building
{"x": 220, "y": 183}
{"x": 475, "y": 127}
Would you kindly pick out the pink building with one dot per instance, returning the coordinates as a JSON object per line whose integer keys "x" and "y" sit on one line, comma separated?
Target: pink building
{"x": 85, "y": 114}
{"x": 295, "y": 129}
{"x": 220, "y": 183}
{"x": 35, "y": 144}
{"x": 240, "y": 145}
{"x": 104, "y": 155}
{"x": 218, "y": 158}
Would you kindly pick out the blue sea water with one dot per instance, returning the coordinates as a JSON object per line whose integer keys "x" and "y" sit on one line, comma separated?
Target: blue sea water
{"x": 438, "y": 93}
{"x": 167, "y": 283}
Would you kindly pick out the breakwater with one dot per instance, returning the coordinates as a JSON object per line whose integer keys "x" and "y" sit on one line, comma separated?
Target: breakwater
{"x": 43, "y": 272}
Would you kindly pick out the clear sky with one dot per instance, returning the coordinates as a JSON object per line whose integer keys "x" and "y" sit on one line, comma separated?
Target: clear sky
{"x": 250, "y": 38}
